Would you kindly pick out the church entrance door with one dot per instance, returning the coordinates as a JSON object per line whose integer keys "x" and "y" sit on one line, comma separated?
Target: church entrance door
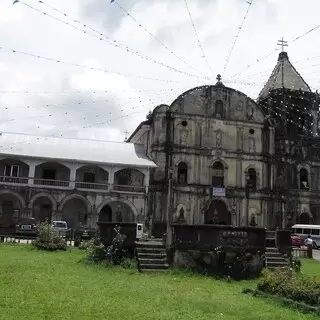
{"x": 218, "y": 213}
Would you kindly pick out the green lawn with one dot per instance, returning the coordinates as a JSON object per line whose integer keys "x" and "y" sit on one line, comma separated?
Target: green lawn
{"x": 40, "y": 285}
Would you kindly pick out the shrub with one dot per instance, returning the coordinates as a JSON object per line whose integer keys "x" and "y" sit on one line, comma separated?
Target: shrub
{"x": 84, "y": 245}
{"x": 295, "y": 264}
{"x": 95, "y": 250}
{"x": 116, "y": 252}
{"x": 290, "y": 284}
{"x": 48, "y": 239}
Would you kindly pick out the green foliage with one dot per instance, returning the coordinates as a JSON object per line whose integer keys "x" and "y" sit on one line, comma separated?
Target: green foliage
{"x": 48, "y": 239}
{"x": 95, "y": 250}
{"x": 39, "y": 285}
{"x": 129, "y": 264}
{"x": 116, "y": 253}
{"x": 84, "y": 245}
{"x": 113, "y": 254}
{"x": 295, "y": 264}
{"x": 290, "y": 284}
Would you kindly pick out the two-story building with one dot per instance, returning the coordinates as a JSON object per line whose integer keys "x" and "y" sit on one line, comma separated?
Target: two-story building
{"x": 79, "y": 181}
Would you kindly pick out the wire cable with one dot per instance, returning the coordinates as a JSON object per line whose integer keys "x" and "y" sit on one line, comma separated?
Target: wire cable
{"x": 154, "y": 37}
{"x": 236, "y": 37}
{"x": 102, "y": 37}
{"x": 84, "y": 66}
{"x": 197, "y": 37}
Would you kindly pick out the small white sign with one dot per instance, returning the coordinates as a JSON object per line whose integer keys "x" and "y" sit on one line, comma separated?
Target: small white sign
{"x": 218, "y": 192}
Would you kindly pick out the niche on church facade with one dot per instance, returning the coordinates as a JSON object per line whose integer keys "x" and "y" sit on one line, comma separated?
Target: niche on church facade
{"x": 181, "y": 213}
{"x": 219, "y": 111}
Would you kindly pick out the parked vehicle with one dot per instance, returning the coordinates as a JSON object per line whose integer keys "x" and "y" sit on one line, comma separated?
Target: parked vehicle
{"x": 61, "y": 227}
{"x": 27, "y": 227}
{"x": 297, "y": 241}
{"x": 84, "y": 233}
{"x": 303, "y": 230}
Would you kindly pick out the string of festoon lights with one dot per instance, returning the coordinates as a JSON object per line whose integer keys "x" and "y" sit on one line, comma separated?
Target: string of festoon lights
{"x": 203, "y": 54}
{"x": 98, "y": 35}
{"x": 60, "y": 61}
{"x": 236, "y": 38}
{"x": 31, "y": 92}
{"x": 154, "y": 37}
{"x": 295, "y": 39}
{"x": 92, "y": 102}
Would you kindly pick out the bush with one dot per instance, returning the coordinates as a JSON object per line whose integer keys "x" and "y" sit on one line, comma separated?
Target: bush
{"x": 114, "y": 254}
{"x": 295, "y": 264}
{"x": 95, "y": 250}
{"x": 84, "y": 245}
{"x": 48, "y": 239}
{"x": 290, "y": 284}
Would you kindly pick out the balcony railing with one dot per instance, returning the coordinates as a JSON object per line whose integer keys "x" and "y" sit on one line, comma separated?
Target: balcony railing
{"x": 92, "y": 185}
{"x": 139, "y": 189}
{"x": 49, "y": 183}
{"x": 20, "y": 180}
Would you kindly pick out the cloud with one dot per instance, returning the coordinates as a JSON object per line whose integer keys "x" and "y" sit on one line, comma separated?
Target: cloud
{"x": 80, "y": 102}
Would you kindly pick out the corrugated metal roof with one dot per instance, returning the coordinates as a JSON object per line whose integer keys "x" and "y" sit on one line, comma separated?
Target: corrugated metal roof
{"x": 108, "y": 152}
{"x": 284, "y": 76}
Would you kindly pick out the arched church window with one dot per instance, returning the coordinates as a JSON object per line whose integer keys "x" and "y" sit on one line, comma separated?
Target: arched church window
{"x": 182, "y": 173}
{"x": 218, "y": 174}
{"x": 304, "y": 180}
{"x": 252, "y": 179}
{"x": 219, "y": 109}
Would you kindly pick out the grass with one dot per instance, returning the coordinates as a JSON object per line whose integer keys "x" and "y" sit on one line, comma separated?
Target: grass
{"x": 56, "y": 285}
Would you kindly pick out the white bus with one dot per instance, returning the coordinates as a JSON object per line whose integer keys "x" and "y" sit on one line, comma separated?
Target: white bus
{"x": 303, "y": 230}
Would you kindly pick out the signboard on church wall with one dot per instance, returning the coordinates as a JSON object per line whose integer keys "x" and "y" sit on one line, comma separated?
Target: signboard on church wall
{"x": 218, "y": 192}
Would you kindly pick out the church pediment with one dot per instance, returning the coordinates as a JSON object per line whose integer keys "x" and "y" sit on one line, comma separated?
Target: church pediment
{"x": 218, "y": 102}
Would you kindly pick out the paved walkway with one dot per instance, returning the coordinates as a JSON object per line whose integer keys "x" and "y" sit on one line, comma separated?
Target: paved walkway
{"x": 316, "y": 254}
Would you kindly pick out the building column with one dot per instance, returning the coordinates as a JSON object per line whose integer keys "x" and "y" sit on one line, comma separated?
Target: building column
{"x": 73, "y": 174}
{"x": 32, "y": 169}
{"x": 111, "y": 179}
{"x": 93, "y": 218}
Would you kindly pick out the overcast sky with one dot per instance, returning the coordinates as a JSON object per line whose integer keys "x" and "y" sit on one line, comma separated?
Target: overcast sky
{"x": 72, "y": 101}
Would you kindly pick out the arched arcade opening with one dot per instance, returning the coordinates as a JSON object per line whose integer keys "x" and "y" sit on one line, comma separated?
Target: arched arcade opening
{"x": 116, "y": 211}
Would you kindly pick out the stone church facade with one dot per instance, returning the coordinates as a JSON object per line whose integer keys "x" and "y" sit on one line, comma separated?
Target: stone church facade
{"x": 227, "y": 159}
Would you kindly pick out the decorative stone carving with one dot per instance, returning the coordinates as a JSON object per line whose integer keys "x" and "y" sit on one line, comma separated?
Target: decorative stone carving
{"x": 252, "y": 145}
{"x": 219, "y": 139}
{"x": 184, "y": 134}
{"x": 250, "y": 112}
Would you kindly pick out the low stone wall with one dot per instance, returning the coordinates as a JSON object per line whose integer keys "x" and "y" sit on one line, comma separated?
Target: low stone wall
{"x": 237, "y": 265}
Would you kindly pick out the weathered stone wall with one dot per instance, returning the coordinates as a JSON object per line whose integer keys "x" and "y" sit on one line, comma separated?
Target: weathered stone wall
{"x": 238, "y": 266}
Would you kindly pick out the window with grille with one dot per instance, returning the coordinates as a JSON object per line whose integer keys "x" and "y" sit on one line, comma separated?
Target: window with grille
{"x": 304, "y": 181}
{"x": 182, "y": 173}
{"x": 252, "y": 178}
{"x": 11, "y": 171}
